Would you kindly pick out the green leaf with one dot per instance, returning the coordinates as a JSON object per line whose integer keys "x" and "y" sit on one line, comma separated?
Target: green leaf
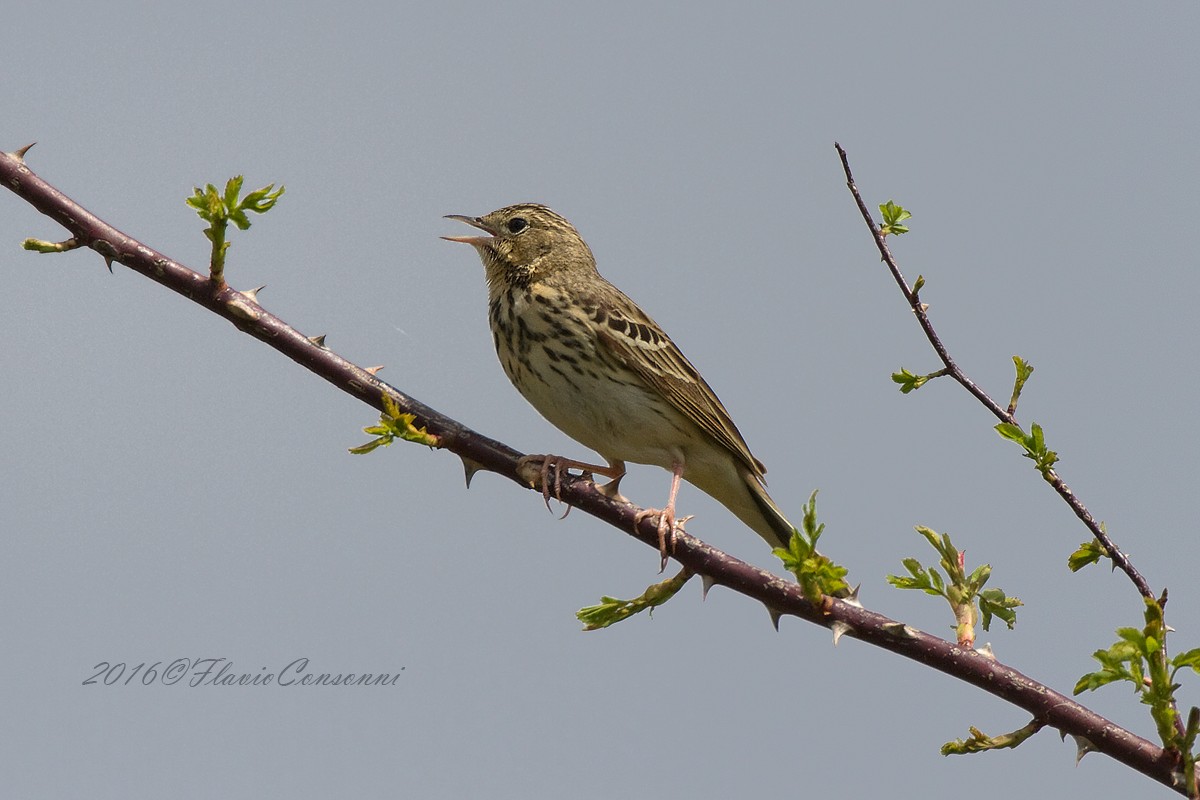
{"x": 363, "y": 449}
{"x": 233, "y": 188}
{"x": 262, "y": 200}
{"x": 994, "y": 602}
{"x": 931, "y": 536}
{"x": 1039, "y": 438}
{"x": 980, "y": 576}
{"x": 1133, "y": 636}
{"x": 1189, "y": 659}
{"x": 1012, "y": 432}
{"x": 1088, "y": 553}
{"x": 901, "y": 582}
{"x": 939, "y": 586}
{"x": 1094, "y": 680}
{"x": 927, "y": 581}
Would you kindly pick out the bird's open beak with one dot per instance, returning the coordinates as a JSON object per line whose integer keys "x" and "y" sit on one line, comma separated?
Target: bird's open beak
{"x": 474, "y": 241}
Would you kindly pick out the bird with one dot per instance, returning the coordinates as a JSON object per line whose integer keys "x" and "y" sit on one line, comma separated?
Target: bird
{"x": 598, "y": 368}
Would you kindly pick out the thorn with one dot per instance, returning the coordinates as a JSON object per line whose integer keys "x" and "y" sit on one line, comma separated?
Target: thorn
{"x": 239, "y": 308}
{"x": 852, "y": 598}
{"x": 708, "y": 582}
{"x": 986, "y": 651}
{"x": 20, "y": 154}
{"x": 775, "y": 615}
{"x": 319, "y": 341}
{"x": 839, "y": 628}
{"x": 107, "y": 251}
{"x": 373, "y": 370}
{"x": 253, "y": 293}
{"x": 899, "y": 630}
{"x": 470, "y": 467}
{"x": 1083, "y": 746}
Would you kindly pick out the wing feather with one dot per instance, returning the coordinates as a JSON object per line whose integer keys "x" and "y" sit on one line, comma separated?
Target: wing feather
{"x": 637, "y": 342}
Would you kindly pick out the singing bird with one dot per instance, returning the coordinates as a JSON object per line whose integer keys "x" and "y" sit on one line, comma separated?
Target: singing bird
{"x": 604, "y": 373}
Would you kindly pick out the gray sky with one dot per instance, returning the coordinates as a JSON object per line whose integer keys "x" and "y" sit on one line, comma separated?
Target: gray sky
{"x": 173, "y": 489}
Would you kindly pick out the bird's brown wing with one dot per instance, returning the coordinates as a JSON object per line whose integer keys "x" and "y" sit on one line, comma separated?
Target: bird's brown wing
{"x": 637, "y": 342}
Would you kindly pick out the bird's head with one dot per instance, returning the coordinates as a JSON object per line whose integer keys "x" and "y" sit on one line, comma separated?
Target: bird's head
{"x": 526, "y": 243}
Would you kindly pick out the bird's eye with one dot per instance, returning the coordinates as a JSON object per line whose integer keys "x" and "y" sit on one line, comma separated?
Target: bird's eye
{"x": 517, "y": 224}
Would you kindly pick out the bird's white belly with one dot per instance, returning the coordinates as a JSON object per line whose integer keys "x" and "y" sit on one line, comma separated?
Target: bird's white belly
{"x": 617, "y": 421}
{"x": 595, "y": 401}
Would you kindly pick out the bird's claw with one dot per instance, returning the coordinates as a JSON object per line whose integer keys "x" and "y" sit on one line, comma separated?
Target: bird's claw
{"x": 543, "y": 465}
{"x": 667, "y": 526}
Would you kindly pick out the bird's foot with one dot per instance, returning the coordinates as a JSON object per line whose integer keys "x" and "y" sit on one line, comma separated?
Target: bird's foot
{"x": 549, "y": 471}
{"x": 667, "y": 526}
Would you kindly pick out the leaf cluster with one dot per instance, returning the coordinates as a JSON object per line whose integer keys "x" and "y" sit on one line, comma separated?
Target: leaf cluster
{"x": 980, "y": 742}
{"x": 817, "y": 574}
{"x": 893, "y": 215}
{"x": 910, "y": 382}
{"x": 612, "y": 610}
{"x": 1139, "y": 657}
{"x": 1034, "y": 443}
{"x": 393, "y": 425}
{"x": 219, "y": 208}
{"x": 962, "y": 591}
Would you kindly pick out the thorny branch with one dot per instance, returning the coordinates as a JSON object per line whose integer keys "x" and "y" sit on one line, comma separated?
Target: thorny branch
{"x": 781, "y": 597}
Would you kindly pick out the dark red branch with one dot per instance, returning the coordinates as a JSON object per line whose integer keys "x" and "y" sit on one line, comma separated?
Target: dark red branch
{"x": 778, "y": 594}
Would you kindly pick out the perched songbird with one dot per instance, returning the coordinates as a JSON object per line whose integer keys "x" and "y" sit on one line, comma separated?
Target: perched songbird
{"x": 597, "y": 367}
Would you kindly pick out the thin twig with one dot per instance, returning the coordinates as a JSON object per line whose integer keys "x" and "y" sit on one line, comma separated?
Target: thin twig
{"x": 1000, "y": 412}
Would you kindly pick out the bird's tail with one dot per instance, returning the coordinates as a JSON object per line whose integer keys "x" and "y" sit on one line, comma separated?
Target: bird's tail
{"x": 740, "y": 489}
{"x": 769, "y": 523}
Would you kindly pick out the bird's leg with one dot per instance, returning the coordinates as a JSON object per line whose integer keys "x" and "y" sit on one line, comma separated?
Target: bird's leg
{"x": 667, "y": 523}
{"x": 559, "y": 465}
